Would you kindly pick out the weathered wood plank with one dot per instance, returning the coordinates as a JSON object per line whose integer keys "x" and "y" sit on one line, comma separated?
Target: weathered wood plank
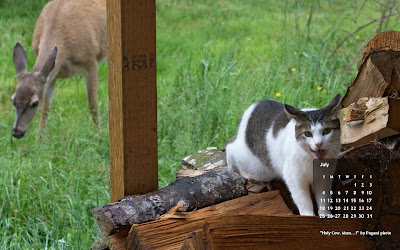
{"x": 278, "y": 232}
{"x": 132, "y": 97}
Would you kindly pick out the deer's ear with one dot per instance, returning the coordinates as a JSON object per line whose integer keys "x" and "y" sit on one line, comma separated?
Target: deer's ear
{"x": 50, "y": 63}
{"x": 19, "y": 58}
{"x": 13, "y": 97}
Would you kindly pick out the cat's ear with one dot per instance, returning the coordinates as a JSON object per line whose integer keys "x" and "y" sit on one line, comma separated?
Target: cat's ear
{"x": 334, "y": 106}
{"x": 294, "y": 113}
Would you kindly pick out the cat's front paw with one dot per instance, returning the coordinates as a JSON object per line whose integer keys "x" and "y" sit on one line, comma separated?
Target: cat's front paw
{"x": 324, "y": 213}
{"x": 307, "y": 213}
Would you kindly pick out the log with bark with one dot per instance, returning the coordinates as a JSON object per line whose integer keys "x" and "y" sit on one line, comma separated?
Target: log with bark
{"x": 211, "y": 159}
{"x": 206, "y": 159}
{"x": 194, "y": 192}
{"x": 172, "y": 230}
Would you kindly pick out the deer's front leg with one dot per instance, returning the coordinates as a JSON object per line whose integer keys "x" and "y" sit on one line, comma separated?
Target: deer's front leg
{"x": 91, "y": 89}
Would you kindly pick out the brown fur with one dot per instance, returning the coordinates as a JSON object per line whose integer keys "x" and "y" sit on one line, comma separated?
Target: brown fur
{"x": 78, "y": 31}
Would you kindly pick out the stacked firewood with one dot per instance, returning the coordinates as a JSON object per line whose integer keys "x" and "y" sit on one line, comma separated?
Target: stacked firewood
{"x": 210, "y": 207}
{"x": 372, "y": 104}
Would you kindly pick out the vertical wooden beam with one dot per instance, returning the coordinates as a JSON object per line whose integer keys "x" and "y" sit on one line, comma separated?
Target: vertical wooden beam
{"x": 131, "y": 28}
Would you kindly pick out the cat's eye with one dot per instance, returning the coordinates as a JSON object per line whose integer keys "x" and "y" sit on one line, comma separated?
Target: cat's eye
{"x": 308, "y": 134}
{"x": 326, "y": 131}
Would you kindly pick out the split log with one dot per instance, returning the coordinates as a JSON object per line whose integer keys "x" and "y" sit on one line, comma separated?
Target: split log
{"x": 273, "y": 232}
{"x": 117, "y": 241}
{"x": 170, "y": 232}
{"x": 356, "y": 111}
{"x": 194, "y": 192}
{"x": 378, "y": 73}
{"x": 370, "y": 81}
{"x": 188, "y": 244}
{"x": 370, "y": 119}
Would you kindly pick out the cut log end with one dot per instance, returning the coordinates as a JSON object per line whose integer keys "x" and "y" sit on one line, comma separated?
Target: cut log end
{"x": 378, "y": 72}
{"x": 385, "y": 41}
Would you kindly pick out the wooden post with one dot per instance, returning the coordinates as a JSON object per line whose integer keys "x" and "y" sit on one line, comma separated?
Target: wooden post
{"x": 131, "y": 29}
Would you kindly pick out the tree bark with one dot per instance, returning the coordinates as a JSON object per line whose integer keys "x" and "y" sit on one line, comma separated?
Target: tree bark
{"x": 194, "y": 192}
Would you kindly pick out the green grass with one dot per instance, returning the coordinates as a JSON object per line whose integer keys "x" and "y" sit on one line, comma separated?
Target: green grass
{"x": 214, "y": 59}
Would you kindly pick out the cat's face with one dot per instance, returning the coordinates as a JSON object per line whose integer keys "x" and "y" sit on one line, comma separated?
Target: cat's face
{"x": 318, "y": 130}
{"x": 319, "y": 137}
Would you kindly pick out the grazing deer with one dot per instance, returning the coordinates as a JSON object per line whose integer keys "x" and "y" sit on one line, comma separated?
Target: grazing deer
{"x": 70, "y": 36}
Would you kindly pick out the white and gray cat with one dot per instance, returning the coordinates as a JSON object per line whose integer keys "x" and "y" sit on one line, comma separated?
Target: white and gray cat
{"x": 280, "y": 141}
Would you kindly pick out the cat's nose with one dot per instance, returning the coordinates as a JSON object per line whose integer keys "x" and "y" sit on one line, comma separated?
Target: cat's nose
{"x": 318, "y": 145}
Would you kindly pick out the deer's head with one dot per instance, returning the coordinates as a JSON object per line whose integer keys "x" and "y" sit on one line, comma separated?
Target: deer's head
{"x": 28, "y": 94}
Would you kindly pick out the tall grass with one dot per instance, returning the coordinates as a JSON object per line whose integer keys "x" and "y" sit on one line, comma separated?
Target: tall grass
{"x": 214, "y": 58}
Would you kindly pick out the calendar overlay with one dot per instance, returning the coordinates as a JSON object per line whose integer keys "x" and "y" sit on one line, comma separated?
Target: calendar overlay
{"x": 361, "y": 186}
{"x": 347, "y": 195}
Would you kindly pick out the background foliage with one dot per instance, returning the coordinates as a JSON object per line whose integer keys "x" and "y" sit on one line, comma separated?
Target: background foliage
{"x": 214, "y": 58}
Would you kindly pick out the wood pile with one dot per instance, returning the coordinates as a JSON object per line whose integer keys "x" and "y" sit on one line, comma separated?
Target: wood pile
{"x": 199, "y": 212}
{"x": 371, "y": 104}
{"x": 264, "y": 220}
{"x": 174, "y": 228}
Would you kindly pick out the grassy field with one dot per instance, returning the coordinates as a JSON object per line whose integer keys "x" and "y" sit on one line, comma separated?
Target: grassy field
{"x": 214, "y": 59}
